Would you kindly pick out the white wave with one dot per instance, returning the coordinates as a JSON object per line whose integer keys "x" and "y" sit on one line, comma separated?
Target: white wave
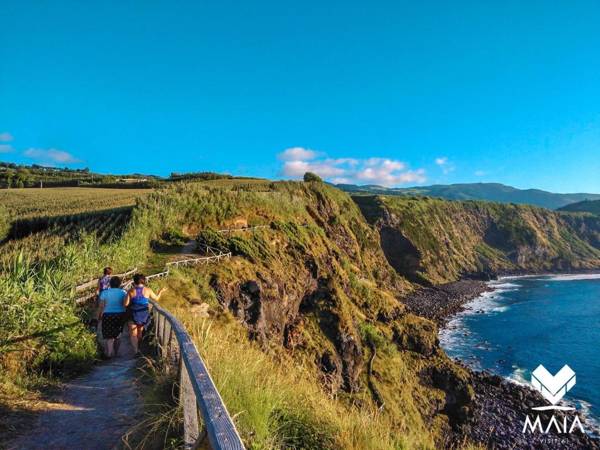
{"x": 586, "y": 412}
{"x": 457, "y": 339}
{"x": 503, "y": 285}
{"x": 575, "y": 277}
{"x": 455, "y": 335}
{"x": 549, "y": 276}
{"x": 518, "y": 376}
{"x": 487, "y": 302}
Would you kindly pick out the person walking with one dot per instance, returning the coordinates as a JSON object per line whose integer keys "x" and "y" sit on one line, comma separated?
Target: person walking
{"x": 138, "y": 303}
{"x": 104, "y": 281}
{"x": 103, "y": 284}
{"x": 112, "y": 314}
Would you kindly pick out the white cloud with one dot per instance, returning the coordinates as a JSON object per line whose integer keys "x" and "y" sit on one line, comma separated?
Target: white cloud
{"x": 5, "y": 148}
{"x": 341, "y": 180}
{"x": 386, "y": 178}
{"x": 446, "y": 165}
{"x": 297, "y": 154}
{"x": 324, "y": 169}
{"x": 383, "y": 171}
{"x": 480, "y": 173}
{"x": 6, "y": 137}
{"x": 51, "y": 155}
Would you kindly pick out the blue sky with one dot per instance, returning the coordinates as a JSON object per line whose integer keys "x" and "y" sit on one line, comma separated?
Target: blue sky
{"x": 396, "y": 93}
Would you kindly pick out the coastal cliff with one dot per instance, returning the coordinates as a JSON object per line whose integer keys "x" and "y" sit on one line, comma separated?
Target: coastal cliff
{"x": 433, "y": 241}
{"x": 332, "y": 283}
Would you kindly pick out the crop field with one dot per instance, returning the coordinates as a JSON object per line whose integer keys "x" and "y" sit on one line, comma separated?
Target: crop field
{"x": 32, "y": 203}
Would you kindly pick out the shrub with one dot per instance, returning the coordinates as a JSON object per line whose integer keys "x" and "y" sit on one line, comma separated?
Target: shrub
{"x": 309, "y": 176}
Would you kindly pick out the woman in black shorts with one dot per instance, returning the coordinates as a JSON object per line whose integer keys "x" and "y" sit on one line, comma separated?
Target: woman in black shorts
{"x": 111, "y": 311}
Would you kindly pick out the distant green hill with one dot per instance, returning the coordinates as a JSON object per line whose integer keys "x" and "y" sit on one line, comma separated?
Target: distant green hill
{"x": 591, "y": 206}
{"x": 34, "y": 176}
{"x": 26, "y": 176}
{"x": 494, "y": 192}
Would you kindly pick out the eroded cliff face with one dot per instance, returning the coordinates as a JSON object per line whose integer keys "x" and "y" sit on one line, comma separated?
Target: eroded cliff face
{"x": 317, "y": 282}
{"x": 443, "y": 240}
{"x": 310, "y": 283}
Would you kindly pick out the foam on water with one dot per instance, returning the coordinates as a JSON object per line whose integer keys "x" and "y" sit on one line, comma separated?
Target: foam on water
{"x": 518, "y": 376}
{"x": 550, "y": 277}
{"x": 585, "y": 408}
{"x": 455, "y": 335}
{"x": 588, "y": 276}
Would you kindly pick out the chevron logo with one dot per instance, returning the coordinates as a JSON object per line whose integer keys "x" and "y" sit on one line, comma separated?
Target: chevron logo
{"x": 553, "y": 387}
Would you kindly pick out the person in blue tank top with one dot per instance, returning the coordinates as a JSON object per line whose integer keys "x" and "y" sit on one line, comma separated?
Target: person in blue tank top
{"x": 138, "y": 304}
{"x": 111, "y": 314}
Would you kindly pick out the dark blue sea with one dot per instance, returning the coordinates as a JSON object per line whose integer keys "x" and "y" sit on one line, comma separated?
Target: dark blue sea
{"x": 526, "y": 321}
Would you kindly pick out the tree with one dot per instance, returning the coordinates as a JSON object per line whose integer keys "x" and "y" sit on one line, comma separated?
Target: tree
{"x": 309, "y": 176}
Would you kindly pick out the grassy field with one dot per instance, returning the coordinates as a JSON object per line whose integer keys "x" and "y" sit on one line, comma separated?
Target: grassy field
{"x": 42, "y": 336}
{"x": 31, "y": 203}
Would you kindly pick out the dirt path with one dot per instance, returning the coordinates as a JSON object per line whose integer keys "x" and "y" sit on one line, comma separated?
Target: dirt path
{"x": 189, "y": 248}
{"x": 93, "y": 411}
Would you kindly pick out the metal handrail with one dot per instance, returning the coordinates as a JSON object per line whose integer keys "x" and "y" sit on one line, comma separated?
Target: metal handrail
{"x": 197, "y": 390}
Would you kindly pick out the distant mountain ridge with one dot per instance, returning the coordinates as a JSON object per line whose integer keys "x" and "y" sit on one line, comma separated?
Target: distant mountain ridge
{"x": 495, "y": 192}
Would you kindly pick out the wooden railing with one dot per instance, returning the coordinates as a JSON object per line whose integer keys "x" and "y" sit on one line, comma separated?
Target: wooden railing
{"x": 197, "y": 391}
{"x": 248, "y": 228}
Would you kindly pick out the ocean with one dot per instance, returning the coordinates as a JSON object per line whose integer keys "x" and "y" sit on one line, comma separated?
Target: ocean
{"x": 526, "y": 321}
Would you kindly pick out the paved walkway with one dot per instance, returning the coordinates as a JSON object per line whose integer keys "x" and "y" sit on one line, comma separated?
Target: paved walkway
{"x": 93, "y": 411}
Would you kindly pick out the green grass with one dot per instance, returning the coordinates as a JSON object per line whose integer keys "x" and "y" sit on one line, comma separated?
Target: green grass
{"x": 277, "y": 402}
{"x": 282, "y": 399}
{"x": 318, "y": 252}
{"x": 459, "y": 237}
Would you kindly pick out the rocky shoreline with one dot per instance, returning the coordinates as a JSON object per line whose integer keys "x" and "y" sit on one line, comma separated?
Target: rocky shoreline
{"x": 440, "y": 303}
{"x": 500, "y": 406}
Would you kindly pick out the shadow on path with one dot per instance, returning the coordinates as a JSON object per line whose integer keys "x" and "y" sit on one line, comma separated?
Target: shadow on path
{"x": 91, "y": 412}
